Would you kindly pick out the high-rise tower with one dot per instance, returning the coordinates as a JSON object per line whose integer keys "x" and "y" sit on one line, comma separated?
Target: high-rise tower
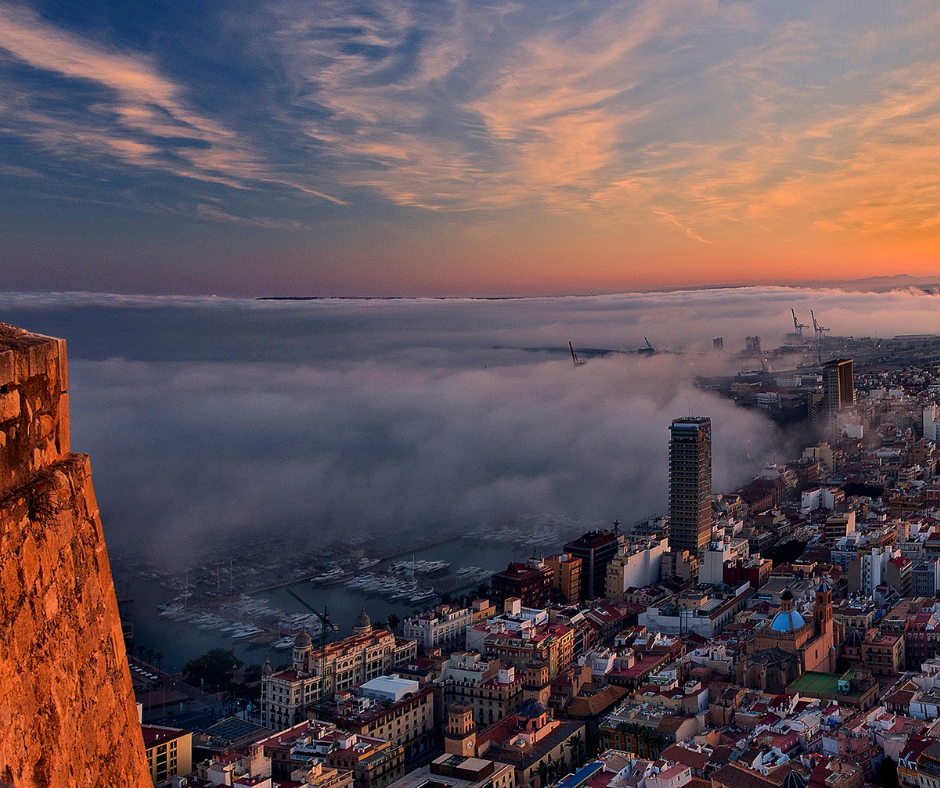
{"x": 839, "y": 384}
{"x": 690, "y": 483}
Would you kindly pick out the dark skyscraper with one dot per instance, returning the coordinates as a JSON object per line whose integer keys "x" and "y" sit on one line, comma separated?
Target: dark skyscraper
{"x": 839, "y": 384}
{"x": 690, "y": 483}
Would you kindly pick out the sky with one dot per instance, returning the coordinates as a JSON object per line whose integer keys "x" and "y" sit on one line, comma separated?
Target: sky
{"x": 442, "y": 147}
{"x": 209, "y": 418}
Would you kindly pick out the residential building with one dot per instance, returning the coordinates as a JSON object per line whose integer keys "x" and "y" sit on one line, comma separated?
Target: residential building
{"x": 839, "y": 385}
{"x": 596, "y": 549}
{"x": 690, "y": 483}
{"x": 638, "y": 563}
{"x": 391, "y": 708}
{"x": 883, "y": 652}
{"x": 444, "y": 628}
{"x": 490, "y": 690}
{"x": 530, "y": 582}
{"x": 566, "y": 575}
{"x": 287, "y": 694}
{"x": 459, "y": 771}
{"x": 169, "y": 751}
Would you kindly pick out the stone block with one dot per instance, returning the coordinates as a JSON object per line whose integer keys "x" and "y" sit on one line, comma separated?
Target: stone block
{"x": 63, "y": 425}
{"x": 63, "y": 363}
{"x": 7, "y": 368}
{"x": 37, "y": 359}
{"x": 9, "y": 405}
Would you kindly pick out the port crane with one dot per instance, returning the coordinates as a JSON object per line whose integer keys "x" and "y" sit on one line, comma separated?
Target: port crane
{"x": 327, "y": 627}
{"x": 797, "y": 325}
{"x": 574, "y": 356}
{"x": 648, "y": 350}
{"x": 818, "y": 337}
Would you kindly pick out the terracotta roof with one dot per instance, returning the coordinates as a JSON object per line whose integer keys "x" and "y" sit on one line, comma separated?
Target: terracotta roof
{"x": 696, "y": 760}
{"x": 598, "y": 703}
{"x": 735, "y": 776}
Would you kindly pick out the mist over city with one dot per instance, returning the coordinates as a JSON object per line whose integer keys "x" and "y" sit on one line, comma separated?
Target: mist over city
{"x": 212, "y": 419}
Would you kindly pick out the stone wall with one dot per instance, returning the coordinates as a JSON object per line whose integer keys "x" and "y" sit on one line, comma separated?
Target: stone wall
{"x": 67, "y": 711}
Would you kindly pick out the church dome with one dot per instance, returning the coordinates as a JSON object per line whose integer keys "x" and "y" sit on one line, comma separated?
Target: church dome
{"x": 823, "y": 588}
{"x": 787, "y": 621}
{"x": 303, "y": 640}
{"x": 855, "y": 639}
{"x": 787, "y": 595}
{"x": 794, "y": 780}
{"x": 362, "y": 623}
{"x": 531, "y": 709}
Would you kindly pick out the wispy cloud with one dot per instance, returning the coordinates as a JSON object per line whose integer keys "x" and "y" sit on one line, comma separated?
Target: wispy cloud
{"x": 131, "y": 113}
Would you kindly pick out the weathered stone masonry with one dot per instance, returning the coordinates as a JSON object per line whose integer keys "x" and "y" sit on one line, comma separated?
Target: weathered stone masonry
{"x": 67, "y": 712}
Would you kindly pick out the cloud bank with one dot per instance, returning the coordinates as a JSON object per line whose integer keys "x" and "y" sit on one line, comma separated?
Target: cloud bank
{"x": 213, "y": 418}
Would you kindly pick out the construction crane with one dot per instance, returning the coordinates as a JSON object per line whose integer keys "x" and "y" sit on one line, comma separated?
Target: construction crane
{"x": 574, "y": 356}
{"x": 818, "y": 337}
{"x": 797, "y": 325}
{"x": 648, "y": 349}
{"x": 327, "y": 627}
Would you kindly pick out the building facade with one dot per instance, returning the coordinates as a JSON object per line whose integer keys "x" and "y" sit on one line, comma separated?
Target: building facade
{"x": 690, "y": 484}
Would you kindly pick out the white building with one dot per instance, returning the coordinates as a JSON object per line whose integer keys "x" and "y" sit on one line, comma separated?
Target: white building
{"x": 932, "y": 423}
{"x": 716, "y": 556}
{"x": 636, "y": 565}
{"x": 444, "y": 628}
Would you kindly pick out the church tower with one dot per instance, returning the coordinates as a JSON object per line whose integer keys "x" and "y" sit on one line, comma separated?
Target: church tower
{"x": 460, "y": 735}
{"x": 822, "y": 608}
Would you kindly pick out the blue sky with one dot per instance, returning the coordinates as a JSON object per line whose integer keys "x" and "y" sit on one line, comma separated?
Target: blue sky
{"x": 452, "y": 148}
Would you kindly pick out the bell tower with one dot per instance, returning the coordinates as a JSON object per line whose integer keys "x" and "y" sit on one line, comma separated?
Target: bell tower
{"x": 822, "y": 608}
{"x": 460, "y": 735}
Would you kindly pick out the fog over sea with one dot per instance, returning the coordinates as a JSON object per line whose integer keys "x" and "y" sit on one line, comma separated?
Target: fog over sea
{"x": 211, "y": 418}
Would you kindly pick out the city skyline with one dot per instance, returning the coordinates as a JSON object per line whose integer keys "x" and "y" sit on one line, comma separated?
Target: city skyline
{"x": 487, "y": 149}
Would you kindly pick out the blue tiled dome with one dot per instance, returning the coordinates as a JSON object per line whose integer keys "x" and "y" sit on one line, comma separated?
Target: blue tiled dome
{"x": 787, "y": 621}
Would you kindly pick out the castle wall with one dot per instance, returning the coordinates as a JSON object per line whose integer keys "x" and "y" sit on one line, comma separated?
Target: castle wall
{"x": 67, "y": 711}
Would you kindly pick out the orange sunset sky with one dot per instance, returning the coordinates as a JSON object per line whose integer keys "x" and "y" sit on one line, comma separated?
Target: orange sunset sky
{"x": 452, "y": 148}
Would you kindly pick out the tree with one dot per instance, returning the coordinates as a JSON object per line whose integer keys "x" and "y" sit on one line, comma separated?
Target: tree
{"x": 543, "y": 774}
{"x": 159, "y": 658}
{"x": 655, "y": 744}
{"x": 575, "y": 747}
{"x": 393, "y": 622}
{"x": 214, "y": 669}
{"x": 150, "y": 653}
{"x": 483, "y": 591}
{"x": 140, "y": 652}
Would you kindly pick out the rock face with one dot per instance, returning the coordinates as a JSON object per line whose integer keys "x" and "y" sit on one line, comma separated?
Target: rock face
{"x": 67, "y": 711}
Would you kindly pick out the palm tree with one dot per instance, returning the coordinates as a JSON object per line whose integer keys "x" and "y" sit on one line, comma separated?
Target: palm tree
{"x": 140, "y": 652}
{"x": 159, "y": 657}
{"x": 393, "y": 622}
{"x": 150, "y": 653}
{"x": 575, "y": 746}
{"x": 655, "y": 744}
{"x": 603, "y": 738}
{"x": 543, "y": 774}
{"x": 623, "y": 730}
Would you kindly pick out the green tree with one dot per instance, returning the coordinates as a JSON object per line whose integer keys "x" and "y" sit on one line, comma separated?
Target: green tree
{"x": 213, "y": 670}
{"x": 543, "y": 774}
{"x": 576, "y": 747}
{"x": 655, "y": 743}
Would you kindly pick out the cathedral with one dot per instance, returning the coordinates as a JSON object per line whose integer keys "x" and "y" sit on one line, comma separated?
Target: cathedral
{"x": 791, "y": 645}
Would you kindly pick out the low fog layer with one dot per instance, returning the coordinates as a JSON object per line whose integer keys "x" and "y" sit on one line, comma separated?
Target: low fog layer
{"x": 211, "y": 417}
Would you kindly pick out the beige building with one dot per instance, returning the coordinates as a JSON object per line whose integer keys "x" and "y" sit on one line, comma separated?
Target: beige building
{"x": 354, "y": 660}
{"x": 490, "y": 690}
{"x": 566, "y": 575}
{"x": 169, "y": 752}
{"x": 444, "y": 628}
{"x": 391, "y": 708}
